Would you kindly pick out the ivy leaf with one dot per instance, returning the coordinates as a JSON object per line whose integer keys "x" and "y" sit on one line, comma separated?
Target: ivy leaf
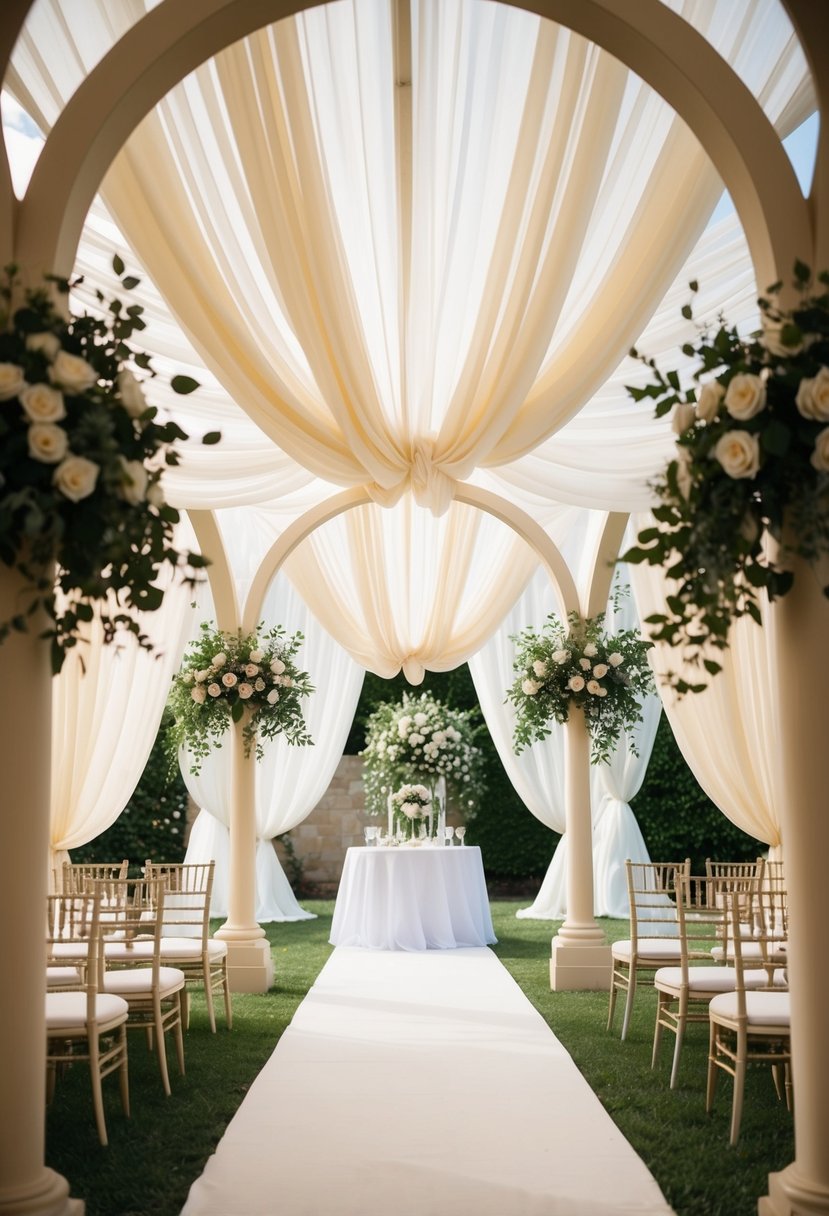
{"x": 118, "y": 265}
{"x": 211, "y": 437}
{"x": 183, "y": 385}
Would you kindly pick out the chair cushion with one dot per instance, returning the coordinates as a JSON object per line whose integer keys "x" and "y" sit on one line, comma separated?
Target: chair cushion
{"x": 60, "y": 977}
{"x": 655, "y": 948}
{"x": 752, "y": 952}
{"x": 138, "y": 981}
{"x": 188, "y": 948}
{"x": 67, "y": 1011}
{"x": 708, "y": 979}
{"x": 762, "y": 1008}
{"x": 122, "y": 952}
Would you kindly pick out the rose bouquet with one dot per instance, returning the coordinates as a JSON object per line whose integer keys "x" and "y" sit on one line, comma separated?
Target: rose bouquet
{"x": 749, "y": 484}
{"x": 225, "y": 678}
{"x": 421, "y": 737}
{"x": 82, "y": 456}
{"x": 413, "y": 801}
{"x": 578, "y": 664}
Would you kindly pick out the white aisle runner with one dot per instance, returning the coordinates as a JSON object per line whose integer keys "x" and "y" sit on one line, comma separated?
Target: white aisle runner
{"x": 421, "y": 1084}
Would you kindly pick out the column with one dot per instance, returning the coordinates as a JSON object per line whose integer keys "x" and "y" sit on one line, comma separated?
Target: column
{"x": 580, "y": 953}
{"x": 27, "y": 1187}
{"x": 250, "y": 965}
{"x": 802, "y": 625}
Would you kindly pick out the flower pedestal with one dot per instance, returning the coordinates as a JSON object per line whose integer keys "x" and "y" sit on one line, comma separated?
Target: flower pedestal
{"x": 249, "y": 960}
{"x": 580, "y": 955}
{"x": 25, "y": 746}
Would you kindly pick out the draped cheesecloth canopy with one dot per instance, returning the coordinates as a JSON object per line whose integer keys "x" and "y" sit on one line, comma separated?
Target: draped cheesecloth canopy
{"x": 407, "y": 247}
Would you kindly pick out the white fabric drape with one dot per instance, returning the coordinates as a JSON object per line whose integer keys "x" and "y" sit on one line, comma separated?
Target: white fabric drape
{"x": 107, "y": 708}
{"x": 729, "y": 733}
{"x": 538, "y": 772}
{"x": 289, "y": 780}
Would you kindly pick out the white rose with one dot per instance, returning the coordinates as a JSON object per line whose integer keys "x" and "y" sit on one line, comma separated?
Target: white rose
{"x": 439, "y": 738}
{"x": 12, "y": 381}
{"x": 590, "y": 650}
{"x": 287, "y": 682}
{"x": 42, "y": 403}
{"x": 584, "y": 664}
{"x": 228, "y": 679}
{"x": 813, "y": 396}
{"x": 214, "y": 689}
{"x": 72, "y": 373}
{"x": 420, "y": 720}
{"x": 745, "y": 396}
{"x": 594, "y": 687}
{"x": 415, "y": 739}
{"x": 602, "y": 692}
{"x": 575, "y": 683}
{"x": 615, "y": 659}
{"x": 198, "y": 694}
{"x": 277, "y": 667}
{"x": 273, "y": 696}
{"x": 201, "y": 676}
{"x": 256, "y": 656}
{"x": 259, "y": 685}
{"x": 131, "y": 393}
{"x": 133, "y": 488}
{"x": 75, "y": 477}
{"x": 684, "y": 416}
{"x": 561, "y": 656}
{"x": 530, "y": 687}
{"x": 739, "y": 453}
{"x": 245, "y": 690}
{"x": 251, "y": 669}
{"x": 540, "y": 667}
{"x": 820, "y": 456}
{"x": 600, "y": 670}
{"x": 48, "y": 343}
{"x": 47, "y": 443}
{"x": 684, "y": 480}
{"x": 710, "y": 396}
{"x": 219, "y": 659}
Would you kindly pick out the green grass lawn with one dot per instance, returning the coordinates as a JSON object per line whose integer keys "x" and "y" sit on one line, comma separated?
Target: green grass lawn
{"x": 153, "y": 1157}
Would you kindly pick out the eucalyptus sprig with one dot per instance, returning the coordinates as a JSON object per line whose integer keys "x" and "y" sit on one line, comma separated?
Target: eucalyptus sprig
{"x": 749, "y": 485}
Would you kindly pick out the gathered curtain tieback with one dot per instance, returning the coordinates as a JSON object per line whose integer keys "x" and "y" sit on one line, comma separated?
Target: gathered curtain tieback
{"x": 423, "y": 477}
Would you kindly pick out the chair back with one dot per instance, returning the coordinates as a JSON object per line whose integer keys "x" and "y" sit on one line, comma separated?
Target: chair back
{"x": 652, "y": 896}
{"x": 73, "y": 937}
{"x": 77, "y": 875}
{"x": 187, "y": 899}
{"x": 132, "y": 920}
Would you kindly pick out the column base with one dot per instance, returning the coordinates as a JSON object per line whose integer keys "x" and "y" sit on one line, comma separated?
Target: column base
{"x": 48, "y": 1196}
{"x": 249, "y": 965}
{"x": 790, "y": 1195}
{"x": 583, "y": 965}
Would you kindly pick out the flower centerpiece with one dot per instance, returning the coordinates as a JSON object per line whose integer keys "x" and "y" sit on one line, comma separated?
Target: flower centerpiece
{"x": 82, "y": 456}
{"x": 226, "y": 677}
{"x": 579, "y": 664}
{"x": 749, "y": 485}
{"x": 419, "y": 736}
{"x": 411, "y": 801}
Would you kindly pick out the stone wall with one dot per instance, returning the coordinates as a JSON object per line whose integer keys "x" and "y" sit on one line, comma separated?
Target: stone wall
{"x": 336, "y": 823}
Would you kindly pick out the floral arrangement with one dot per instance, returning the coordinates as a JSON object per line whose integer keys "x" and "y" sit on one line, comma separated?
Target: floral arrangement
{"x": 225, "y": 678}
{"x": 82, "y": 456}
{"x": 413, "y": 801}
{"x": 749, "y": 485}
{"x": 578, "y": 664}
{"x": 419, "y": 736}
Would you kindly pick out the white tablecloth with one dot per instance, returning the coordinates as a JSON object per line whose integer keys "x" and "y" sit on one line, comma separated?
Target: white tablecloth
{"x": 426, "y": 898}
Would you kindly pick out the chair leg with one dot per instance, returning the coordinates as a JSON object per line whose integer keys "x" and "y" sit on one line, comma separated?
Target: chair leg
{"x": 97, "y": 1094}
{"x": 629, "y": 1002}
{"x": 739, "y": 1087}
{"x": 713, "y": 1070}
{"x": 208, "y": 996}
{"x": 161, "y": 1046}
{"x": 778, "y": 1081}
{"x": 123, "y": 1073}
{"x": 179, "y": 1033}
{"x": 228, "y": 1000}
{"x": 682, "y": 1021}
{"x": 657, "y": 1030}
{"x": 613, "y": 989}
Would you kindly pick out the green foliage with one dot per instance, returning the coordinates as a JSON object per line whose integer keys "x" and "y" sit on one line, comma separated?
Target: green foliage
{"x": 516, "y": 846}
{"x": 82, "y": 457}
{"x": 579, "y": 664}
{"x": 752, "y": 463}
{"x": 224, "y": 678}
{"x": 676, "y": 817}
{"x": 153, "y": 822}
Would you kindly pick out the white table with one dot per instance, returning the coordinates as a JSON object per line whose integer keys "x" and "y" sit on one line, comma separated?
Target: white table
{"x": 424, "y": 898}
